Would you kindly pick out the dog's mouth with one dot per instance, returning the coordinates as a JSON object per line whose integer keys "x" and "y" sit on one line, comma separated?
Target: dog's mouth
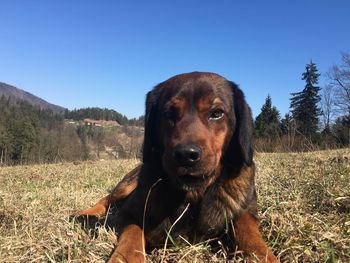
{"x": 188, "y": 178}
{"x": 191, "y": 182}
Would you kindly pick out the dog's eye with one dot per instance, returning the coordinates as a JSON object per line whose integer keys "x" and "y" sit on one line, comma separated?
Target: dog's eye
{"x": 216, "y": 114}
{"x": 169, "y": 115}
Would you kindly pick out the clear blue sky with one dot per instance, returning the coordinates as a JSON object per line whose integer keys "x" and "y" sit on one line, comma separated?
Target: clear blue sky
{"x": 110, "y": 53}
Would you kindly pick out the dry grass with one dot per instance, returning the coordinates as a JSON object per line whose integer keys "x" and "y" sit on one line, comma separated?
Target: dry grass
{"x": 304, "y": 201}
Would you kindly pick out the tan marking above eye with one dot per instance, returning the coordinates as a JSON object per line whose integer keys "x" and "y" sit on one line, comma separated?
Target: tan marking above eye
{"x": 176, "y": 105}
{"x": 209, "y": 103}
{"x": 176, "y": 102}
{"x": 217, "y": 101}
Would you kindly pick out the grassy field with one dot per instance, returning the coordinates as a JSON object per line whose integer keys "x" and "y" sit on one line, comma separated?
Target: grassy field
{"x": 304, "y": 205}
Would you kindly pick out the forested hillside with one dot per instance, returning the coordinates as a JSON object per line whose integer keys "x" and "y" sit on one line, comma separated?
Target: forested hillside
{"x": 102, "y": 114}
{"x": 30, "y": 134}
{"x": 17, "y": 94}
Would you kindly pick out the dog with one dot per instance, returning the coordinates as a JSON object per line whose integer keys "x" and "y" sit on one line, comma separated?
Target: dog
{"x": 197, "y": 173}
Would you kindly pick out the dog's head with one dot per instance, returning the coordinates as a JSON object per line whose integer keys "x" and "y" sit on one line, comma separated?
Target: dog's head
{"x": 195, "y": 124}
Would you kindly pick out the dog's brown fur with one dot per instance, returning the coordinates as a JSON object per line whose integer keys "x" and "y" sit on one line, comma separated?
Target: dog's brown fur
{"x": 209, "y": 112}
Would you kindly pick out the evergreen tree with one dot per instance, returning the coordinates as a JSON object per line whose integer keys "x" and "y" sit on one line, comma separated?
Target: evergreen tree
{"x": 304, "y": 104}
{"x": 267, "y": 123}
{"x": 286, "y": 124}
{"x": 83, "y": 133}
{"x": 341, "y": 130}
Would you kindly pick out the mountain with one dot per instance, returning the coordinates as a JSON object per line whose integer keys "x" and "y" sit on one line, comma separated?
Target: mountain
{"x": 18, "y": 94}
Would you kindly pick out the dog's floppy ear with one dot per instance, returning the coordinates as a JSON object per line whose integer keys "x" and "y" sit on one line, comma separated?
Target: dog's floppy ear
{"x": 240, "y": 147}
{"x": 150, "y": 137}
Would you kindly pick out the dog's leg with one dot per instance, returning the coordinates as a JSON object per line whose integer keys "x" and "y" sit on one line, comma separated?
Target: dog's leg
{"x": 249, "y": 240}
{"x": 131, "y": 246}
{"x": 122, "y": 190}
{"x": 99, "y": 209}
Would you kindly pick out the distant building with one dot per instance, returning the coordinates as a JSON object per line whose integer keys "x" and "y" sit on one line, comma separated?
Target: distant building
{"x": 101, "y": 123}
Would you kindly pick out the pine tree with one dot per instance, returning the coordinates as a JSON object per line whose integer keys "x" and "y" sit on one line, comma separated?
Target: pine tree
{"x": 286, "y": 124}
{"x": 304, "y": 104}
{"x": 267, "y": 123}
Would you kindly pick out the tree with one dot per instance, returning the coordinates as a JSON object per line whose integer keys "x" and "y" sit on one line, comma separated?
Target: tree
{"x": 341, "y": 130}
{"x": 267, "y": 123}
{"x": 328, "y": 105}
{"x": 339, "y": 77}
{"x": 288, "y": 131}
{"x": 26, "y": 140}
{"x": 304, "y": 104}
{"x": 83, "y": 133}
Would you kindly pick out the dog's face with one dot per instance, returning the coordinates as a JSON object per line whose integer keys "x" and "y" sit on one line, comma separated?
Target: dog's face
{"x": 191, "y": 121}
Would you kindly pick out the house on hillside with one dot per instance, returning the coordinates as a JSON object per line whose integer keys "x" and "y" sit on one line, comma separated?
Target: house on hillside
{"x": 100, "y": 123}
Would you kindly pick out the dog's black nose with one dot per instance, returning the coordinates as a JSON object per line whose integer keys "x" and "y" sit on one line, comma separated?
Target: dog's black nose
{"x": 187, "y": 154}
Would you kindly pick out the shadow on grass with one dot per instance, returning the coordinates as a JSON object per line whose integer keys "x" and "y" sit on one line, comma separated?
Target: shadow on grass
{"x": 91, "y": 224}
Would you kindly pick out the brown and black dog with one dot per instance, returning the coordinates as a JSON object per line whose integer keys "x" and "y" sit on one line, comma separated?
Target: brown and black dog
{"x": 197, "y": 170}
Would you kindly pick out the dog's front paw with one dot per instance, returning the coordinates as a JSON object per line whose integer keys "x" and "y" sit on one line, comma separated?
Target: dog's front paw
{"x": 136, "y": 257}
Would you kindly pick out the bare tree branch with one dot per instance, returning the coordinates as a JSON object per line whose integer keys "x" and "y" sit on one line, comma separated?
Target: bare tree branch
{"x": 339, "y": 77}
